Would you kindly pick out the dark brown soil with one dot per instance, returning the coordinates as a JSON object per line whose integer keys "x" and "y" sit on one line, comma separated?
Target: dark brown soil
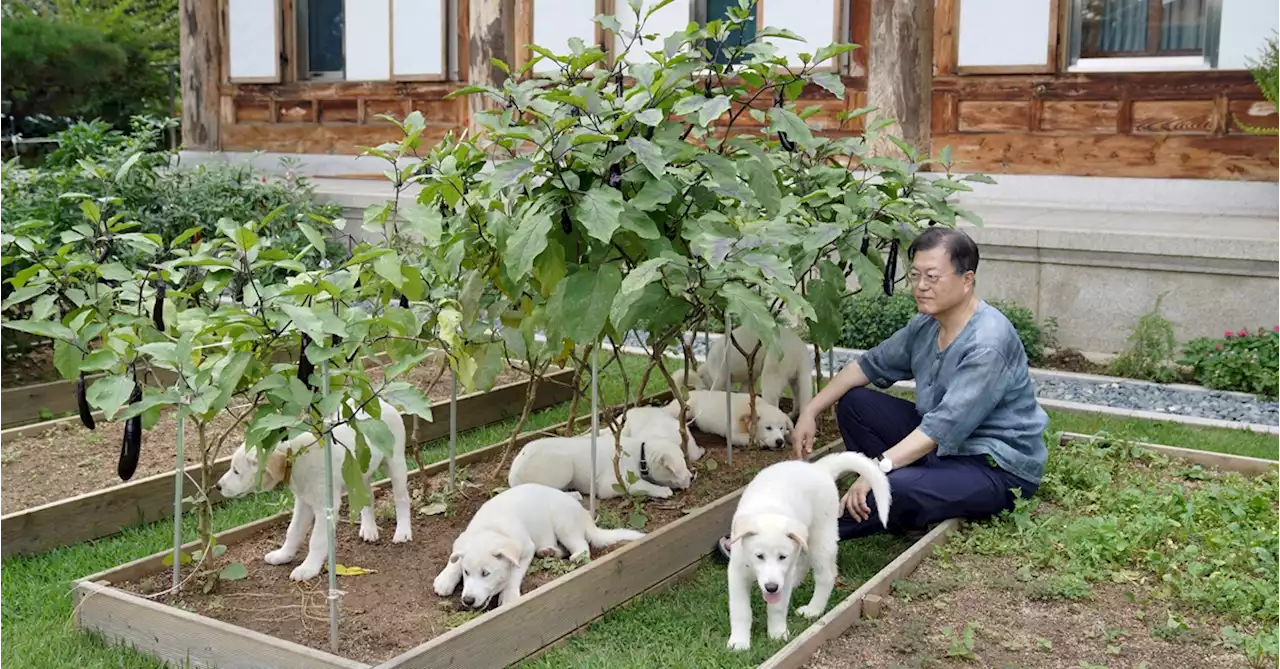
{"x": 26, "y": 363}
{"x": 1116, "y": 628}
{"x": 1071, "y": 360}
{"x": 69, "y": 459}
{"x": 395, "y": 609}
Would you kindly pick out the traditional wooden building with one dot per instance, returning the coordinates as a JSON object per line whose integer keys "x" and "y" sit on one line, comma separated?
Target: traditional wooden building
{"x": 1111, "y": 126}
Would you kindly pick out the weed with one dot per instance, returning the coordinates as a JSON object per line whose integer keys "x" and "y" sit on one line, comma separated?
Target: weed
{"x": 1259, "y": 649}
{"x": 960, "y": 645}
{"x": 1151, "y": 349}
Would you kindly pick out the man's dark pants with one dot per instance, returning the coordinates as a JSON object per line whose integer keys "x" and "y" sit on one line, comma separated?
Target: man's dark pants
{"x": 927, "y": 491}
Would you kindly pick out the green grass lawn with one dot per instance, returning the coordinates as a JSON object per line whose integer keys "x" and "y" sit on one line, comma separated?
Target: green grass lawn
{"x": 36, "y": 602}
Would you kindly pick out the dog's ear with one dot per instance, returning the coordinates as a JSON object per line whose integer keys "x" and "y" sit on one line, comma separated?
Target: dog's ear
{"x": 799, "y": 534}
{"x": 510, "y": 551}
{"x": 741, "y": 530}
{"x": 453, "y": 559}
{"x": 273, "y": 472}
{"x": 744, "y": 422}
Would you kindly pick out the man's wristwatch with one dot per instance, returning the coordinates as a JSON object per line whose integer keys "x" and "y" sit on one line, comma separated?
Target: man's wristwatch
{"x": 886, "y": 465}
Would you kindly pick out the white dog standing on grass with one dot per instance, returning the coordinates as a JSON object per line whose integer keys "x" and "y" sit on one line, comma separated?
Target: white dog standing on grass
{"x": 794, "y": 368}
{"x": 773, "y": 425}
{"x": 526, "y": 521}
{"x": 785, "y": 523}
{"x": 655, "y": 466}
{"x": 306, "y": 479}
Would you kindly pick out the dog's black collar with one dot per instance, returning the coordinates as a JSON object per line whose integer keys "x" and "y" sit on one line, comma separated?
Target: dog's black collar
{"x": 644, "y": 468}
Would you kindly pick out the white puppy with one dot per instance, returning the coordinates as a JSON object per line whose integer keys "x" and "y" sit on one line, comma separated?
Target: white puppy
{"x": 656, "y": 423}
{"x": 492, "y": 555}
{"x": 564, "y": 463}
{"x": 773, "y": 426}
{"x": 306, "y": 479}
{"x": 794, "y": 368}
{"x": 786, "y": 521}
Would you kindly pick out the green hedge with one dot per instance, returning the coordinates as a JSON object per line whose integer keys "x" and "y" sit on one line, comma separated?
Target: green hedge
{"x": 870, "y": 319}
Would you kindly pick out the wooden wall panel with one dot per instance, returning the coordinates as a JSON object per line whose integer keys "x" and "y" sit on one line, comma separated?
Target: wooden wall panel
{"x": 296, "y": 111}
{"x": 344, "y": 138}
{"x": 339, "y": 111}
{"x": 397, "y": 108}
{"x": 981, "y": 115}
{"x": 1064, "y": 116}
{"x": 252, "y": 111}
{"x": 1193, "y": 117}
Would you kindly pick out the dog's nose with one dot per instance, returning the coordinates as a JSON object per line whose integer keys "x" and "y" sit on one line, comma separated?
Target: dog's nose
{"x": 770, "y": 587}
{"x": 778, "y": 442}
{"x": 468, "y": 600}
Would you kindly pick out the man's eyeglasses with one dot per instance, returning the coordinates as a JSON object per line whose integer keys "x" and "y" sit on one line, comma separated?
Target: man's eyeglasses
{"x": 930, "y": 279}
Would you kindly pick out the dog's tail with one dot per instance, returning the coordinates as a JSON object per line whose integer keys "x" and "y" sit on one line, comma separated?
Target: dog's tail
{"x": 600, "y": 538}
{"x": 839, "y": 464}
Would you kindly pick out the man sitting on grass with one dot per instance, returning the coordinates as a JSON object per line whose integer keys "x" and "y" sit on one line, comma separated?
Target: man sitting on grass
{"x": 974, "y": 438}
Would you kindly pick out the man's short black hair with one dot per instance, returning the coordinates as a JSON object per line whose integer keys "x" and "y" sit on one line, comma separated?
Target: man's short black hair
{"x": 960, "y": 247}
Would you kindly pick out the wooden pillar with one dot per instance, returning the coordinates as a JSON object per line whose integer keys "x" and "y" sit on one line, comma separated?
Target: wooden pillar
{"x": 200, "y": 54}
{"x": 493, "y": 34}
{"x": 900, "y": 70}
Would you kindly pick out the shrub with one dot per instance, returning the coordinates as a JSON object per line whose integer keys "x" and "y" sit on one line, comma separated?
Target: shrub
{"x": 871, "y": 319}
{"x": 56, "y": 69}
{"x": 1243, "y": 361}
{"x": 1266, "y": 73}
{"x": 1149, "y": 354}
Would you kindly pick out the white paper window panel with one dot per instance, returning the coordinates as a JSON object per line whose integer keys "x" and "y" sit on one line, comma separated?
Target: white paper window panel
{"x": 1003, "y": 32}
{"x": 366, "y": 39}
{"x": 812, "y": 20}
{"x": 1245, "y": 27}
{"x": 418, "y": 37}
{"x": 672, "y": 18}
{"x": 555, "y": 22}
{"x": 253, "y": 40}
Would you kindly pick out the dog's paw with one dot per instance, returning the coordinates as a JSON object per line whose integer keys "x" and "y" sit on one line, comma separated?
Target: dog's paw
{"x": 662, "y": 492}
{"x": 779, "y": 635}
{"x": 739, "y": 643}
{"x": 402, "y": 535}
{"x": 551, "y": 552}
{"x": 278, "y": 556}
{"x": 809, "y": 611}
{"x": 369, "y": 532}
{"x": 304, "y": 572}
{"x": 443, "y": 586}
{"x": 574, "y": 494}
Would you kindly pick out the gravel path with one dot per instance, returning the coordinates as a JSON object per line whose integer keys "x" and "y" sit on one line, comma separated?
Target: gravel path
{"x": 1120, "y": 395}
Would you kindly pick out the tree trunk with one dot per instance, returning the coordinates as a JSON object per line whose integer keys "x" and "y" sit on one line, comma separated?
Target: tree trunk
{"x": 900, "y": 71}
{"x": 200, "y": 55}
{"x": 492, "y": 30}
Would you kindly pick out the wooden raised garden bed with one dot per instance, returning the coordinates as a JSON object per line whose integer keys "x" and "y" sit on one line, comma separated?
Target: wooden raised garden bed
{"x": 867, "y": 601}
{"x": 393, "y": 616}
{"x": 85, "y": 506}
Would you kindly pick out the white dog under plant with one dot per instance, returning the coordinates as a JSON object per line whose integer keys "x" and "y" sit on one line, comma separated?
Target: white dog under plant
{"x": 305, "y": 476}
{"x": 793, "y": 368}
{"x": 773, "y": 425}
{"x": 492, "y": 555}
{"x": 658, "y": 423}
{"x": 652, "y": 466}
{"x": 786, "y": 523}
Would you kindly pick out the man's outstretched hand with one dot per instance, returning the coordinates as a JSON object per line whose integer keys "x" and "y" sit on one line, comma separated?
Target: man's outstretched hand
{"x": 802, "y": 436}
{"x": 855, "y": 501}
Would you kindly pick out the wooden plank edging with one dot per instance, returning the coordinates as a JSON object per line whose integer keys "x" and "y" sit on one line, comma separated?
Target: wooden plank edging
{"x": 106, "y": 511}
{"x": 841, "y": 617}
{"x": 1224, "y": 461}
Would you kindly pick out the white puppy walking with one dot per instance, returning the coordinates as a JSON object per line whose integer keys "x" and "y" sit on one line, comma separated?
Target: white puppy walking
{"x": 526, "y": 521}
{"x": 564, "y": 463}
{"x": 773, "y": 425}
{"x": 786, "y": 522}
{"x": 306, "y": 479}
{"x": 794, "y": 368}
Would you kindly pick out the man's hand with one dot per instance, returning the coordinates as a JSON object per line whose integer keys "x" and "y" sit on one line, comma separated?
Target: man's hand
{"x": 855, "y": 501}
{"x": 802, "y": 436}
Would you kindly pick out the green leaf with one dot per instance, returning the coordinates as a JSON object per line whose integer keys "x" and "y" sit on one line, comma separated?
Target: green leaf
{"x": 689, "y": 105}
{"x": 99, "y": 360}
{"x": 650, "y": 117}
{"x": 749, "y": 309}
{"x": 526, "y": 243}
{"x": 764, "y": 184}
{"x": 826, "y": 294}
{"x": 584, "y": 302}
{"x": 869, "y": 276}
{"x": 23, "y": 294}
{"x": 783, "y": 120}
{"x": 358, "y": 494}
{"x": 235, "y": 571}
{"x": 549, "y": 269}
{"x": 508, "y": 172}
{"x": 109, "y": 394}
{"x": 424, "y": 221}
{"x": 598, "y": 212}
{"x": 128, "y": 164}
{"x": 305, "y": 319}
{"x": 714, "y": 108}
{"x": 408, "y": 398}
{"x": 66, "y": 359}
{"x": 388, "y": 267}
{"x": 830, "y": 81}
{"x": 649, "y": 155}
{"x": 639, "y": 222}
{"x": 978, "y": 178}
{"x": 633, "y": 286}
{"x": 229, "y": 378}
{"x": 313, "y": 236}
{"x": 377, "y": 434}
{"x": 50, "y": 329}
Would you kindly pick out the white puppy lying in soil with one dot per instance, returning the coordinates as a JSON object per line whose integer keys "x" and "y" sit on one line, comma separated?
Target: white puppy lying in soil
{"x": 787, "y": 522}
{"x": 564, "y": 463}
{"x": 526, "y": 521}
{"x": 306, "y": 479}
{"x": 657, "y": 423}
{"x": 773, "y": 426}
{"x": 794, "y": 368}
